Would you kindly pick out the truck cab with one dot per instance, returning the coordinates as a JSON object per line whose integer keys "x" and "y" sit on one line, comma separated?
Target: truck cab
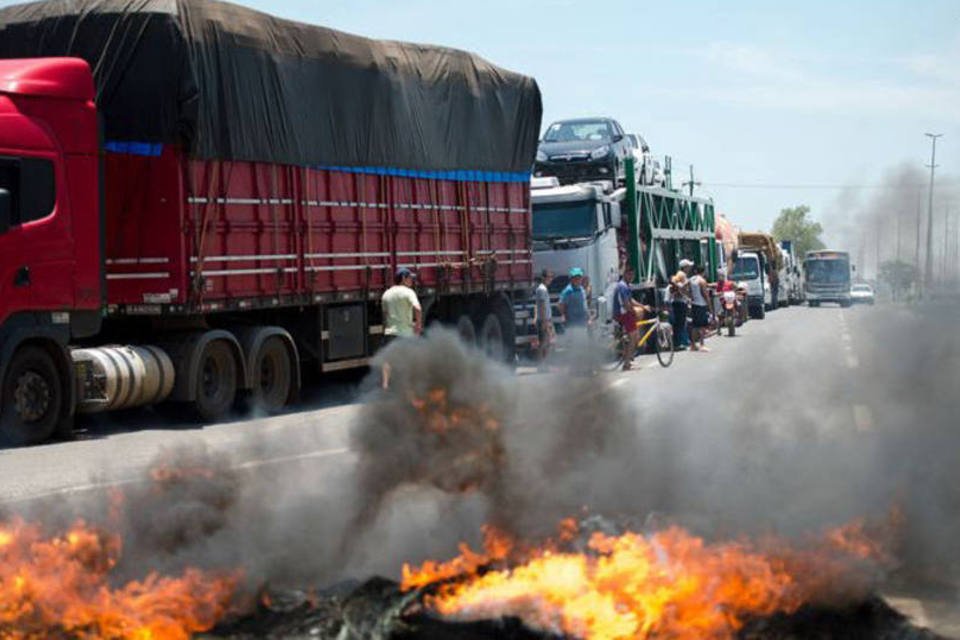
{"x": 576, "y": 226}
{"x": 750, "y": 269}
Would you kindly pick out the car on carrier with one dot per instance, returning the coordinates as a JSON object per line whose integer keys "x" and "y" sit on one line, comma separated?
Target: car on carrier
{"x": 583, "y": 150}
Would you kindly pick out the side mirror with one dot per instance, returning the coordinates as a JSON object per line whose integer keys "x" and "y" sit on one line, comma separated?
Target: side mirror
{"x": 6, "y": 211}
{"x": 617, "y": 137}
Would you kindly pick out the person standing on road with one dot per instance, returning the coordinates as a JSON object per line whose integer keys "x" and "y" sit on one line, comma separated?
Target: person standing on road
{"x": 543, "y": 316}
{"x": 699, "y": 298}
{"x": 774, "y": 277}
{"x": 573, "y": 301}
{"x": 628, "y": 313}
{"x": 679, "y": 300}
{"x": 402, "y": 315}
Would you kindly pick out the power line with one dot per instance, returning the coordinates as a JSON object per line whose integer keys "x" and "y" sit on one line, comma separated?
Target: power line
{"x": 760, "y": 185}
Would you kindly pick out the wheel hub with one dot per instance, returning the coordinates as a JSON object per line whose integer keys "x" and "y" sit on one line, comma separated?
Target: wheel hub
{"x": 211, "y": 378}
{"x": 31, "y": 397}
{"x": 266, "y": 374}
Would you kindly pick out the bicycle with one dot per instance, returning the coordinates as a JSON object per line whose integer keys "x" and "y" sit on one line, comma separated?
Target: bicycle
{"x": 662, "y": 344}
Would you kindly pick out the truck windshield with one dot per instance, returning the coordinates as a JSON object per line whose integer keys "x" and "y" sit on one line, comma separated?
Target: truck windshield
{"x": 746, "y": 269}
{"x": 828, "y": 271}
{"x": 556, "y": 220}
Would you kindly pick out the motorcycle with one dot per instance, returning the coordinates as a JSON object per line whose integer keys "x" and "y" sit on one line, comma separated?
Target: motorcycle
{"x": 729, "y": 311}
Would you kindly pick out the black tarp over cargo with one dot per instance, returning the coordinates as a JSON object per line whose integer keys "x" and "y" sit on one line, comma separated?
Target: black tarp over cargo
{"x": 229, "y": 82}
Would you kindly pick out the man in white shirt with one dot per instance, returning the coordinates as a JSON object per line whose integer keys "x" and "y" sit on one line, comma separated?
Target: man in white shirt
{"x": 543, "y": 315}
{"x": 402, "y": 315}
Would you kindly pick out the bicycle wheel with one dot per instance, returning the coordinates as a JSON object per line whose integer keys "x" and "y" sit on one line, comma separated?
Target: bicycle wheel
{"x": 664, "y": 344}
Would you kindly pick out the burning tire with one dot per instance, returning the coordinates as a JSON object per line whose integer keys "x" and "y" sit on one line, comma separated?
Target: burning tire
{"x": 272, "y": 376}
{"x": 216, "y": 381}
{"x": 32, "y": 398}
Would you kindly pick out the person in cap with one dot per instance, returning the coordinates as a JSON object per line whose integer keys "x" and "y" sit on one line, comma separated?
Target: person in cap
{"x": 402, "y": 314}
{"x": 573, "y": 301}
{"x": 679, "y": 304}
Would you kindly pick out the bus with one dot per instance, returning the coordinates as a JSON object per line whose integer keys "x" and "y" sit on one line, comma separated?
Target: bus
{"x": 826, "y": 277}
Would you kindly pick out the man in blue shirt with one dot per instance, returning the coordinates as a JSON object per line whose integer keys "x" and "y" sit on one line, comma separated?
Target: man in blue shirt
{"x": 573, "y": 300}
{"x": 628, "y": 313}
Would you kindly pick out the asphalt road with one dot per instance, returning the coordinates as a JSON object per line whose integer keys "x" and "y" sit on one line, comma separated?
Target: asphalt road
{"x": 801, "y": 375}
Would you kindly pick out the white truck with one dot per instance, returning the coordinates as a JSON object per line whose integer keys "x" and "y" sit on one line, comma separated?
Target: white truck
{"x": 576, "y": 226}
{"x": 791, "y": 277}
{"x": 750, "y": 269}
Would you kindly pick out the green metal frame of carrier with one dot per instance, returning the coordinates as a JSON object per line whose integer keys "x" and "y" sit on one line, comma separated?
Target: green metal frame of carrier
{"x": 681, "y": 226}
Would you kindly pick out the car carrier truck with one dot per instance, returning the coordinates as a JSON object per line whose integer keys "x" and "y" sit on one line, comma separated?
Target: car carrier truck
{"x": 220, "y": 203}
{"x": 600, "y": 230}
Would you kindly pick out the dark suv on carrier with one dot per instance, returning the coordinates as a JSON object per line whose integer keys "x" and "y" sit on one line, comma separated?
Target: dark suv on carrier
{"x": 583, "y": 150}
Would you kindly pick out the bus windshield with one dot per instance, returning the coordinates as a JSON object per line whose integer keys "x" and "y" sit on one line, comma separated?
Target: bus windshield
{"x": 834, "y": 271}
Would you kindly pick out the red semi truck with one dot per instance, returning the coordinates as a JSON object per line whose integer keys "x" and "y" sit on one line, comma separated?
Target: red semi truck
{"x": 220, "y": 203}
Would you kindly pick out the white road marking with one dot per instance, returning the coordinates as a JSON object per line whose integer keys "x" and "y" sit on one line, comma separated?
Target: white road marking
{"x": 846, "y": 337}
{"x": 250, "y": 464}
{"x": 852, "y": 362}
{"x": 329, "y": 411}
{"x": 862, "y": 417}
{"x": 619, "y": 382}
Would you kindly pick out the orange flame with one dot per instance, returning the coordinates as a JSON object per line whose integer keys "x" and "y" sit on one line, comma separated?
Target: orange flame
{"x": 668, "y": 584}
{"x": 60, "y": 586}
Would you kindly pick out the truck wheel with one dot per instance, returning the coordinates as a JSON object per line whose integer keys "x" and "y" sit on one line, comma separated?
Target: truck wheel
{"x": 272, "y": 376}
{"x": 216, "y": 383}
{"x": 490, "y": 339}
{"x": 32, "y": 398}
{"x": 466, "y": 330}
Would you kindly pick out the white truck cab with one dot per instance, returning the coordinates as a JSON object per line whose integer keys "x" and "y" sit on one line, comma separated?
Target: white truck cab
{"x": 750, "y": 269}
{"x": 576, "y": 226}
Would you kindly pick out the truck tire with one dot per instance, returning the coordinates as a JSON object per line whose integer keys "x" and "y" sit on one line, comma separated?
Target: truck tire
{"x": 272, "y": 376}
{"x": 33, "y": 398}
{"x": 466, "y": 330}
{"x": 496, "y": 330}
{"x": 216, "y": 382}
{"x": 490, "y": 337}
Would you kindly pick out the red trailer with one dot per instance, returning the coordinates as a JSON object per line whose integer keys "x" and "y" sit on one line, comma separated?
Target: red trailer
{"x": 204, "y": 234}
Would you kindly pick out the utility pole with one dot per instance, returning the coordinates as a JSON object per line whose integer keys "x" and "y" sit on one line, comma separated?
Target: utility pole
{"x": 928, "y": 268}
{"x": 946, "y": 242}
{"x": 691, "y": 183}
{"x": 879, "y": 233}
{"x": 899, "y": 220}
{"x": 916, "y": 254}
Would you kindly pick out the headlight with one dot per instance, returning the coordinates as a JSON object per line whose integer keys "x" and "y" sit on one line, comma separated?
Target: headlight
{"x": 600, "y": 152}
{"x": 541, "y": 156}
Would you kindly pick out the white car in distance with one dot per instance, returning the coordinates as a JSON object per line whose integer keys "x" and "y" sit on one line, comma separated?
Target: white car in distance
{"x": 861, "y": 294}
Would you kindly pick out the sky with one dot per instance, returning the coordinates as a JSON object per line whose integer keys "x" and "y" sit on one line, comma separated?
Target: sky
{"x": 773, "y": 97}
{"x": 774, "y": 104}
